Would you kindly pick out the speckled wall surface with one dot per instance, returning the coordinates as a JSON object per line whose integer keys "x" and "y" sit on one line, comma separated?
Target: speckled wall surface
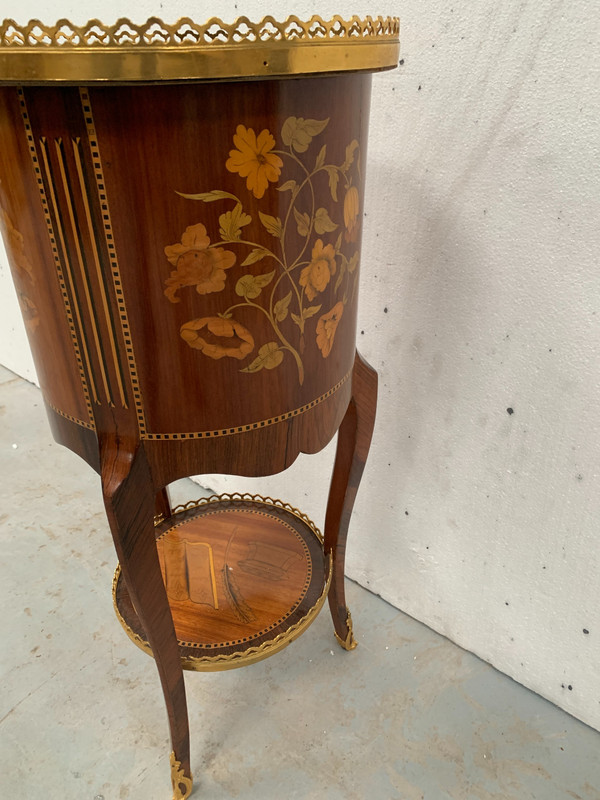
{"x": 479, "y": 507}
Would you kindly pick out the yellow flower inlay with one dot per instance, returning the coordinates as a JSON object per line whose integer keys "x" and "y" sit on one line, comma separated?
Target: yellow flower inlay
{"x": 317, "y": 274}
{"x": 326, "y": 328}
{"x": 196, "y": 264}
{"x": 222, "y": 337}
{"x": 254, "y": 160}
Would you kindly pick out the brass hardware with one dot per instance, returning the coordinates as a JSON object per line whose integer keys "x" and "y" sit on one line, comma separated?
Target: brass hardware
{"x": 247, "y": 498}
{"x": 179, "y": 779}
{"x": 349, "y": 643}
{"x": 128, "y": 53}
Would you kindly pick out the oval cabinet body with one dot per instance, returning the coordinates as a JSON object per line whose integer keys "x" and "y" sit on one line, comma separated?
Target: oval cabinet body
{"x": 182, "y": 210}
{"x": 190, "y": 255}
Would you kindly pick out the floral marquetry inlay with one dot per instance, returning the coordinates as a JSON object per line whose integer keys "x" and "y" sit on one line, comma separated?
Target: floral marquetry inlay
{"x": 303, "y": 280}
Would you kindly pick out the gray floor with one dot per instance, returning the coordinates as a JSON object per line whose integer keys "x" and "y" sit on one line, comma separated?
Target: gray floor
{"x": 407, "y": 715}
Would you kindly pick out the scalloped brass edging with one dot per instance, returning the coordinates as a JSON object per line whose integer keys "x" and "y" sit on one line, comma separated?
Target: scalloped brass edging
{"x": 245, "y": 497}
{"x": 253, "y": 654}
{"x": 154, "y": 51}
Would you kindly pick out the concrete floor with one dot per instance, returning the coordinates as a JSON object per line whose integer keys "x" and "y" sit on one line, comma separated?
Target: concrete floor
{"x": 407, "y": 715}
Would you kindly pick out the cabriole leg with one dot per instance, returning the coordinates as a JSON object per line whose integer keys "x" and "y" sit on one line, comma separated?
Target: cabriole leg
{"x": 354, "y": 441}
{"x": 129, "y": 497}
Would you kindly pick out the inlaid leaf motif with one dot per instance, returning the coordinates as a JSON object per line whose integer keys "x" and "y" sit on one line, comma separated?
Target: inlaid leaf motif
{"x": 255, "y": 255}
{"x": 340, "y": 278}
{"x": 303, "y": 222}
{"x": 321, "y": 157}
{"x": 272, "y": 224}
{"x": 298, "y": 132}
{"x": 269, "y": 356}
{"x": 232, "y": 222}
{"x": 334, "y": 177}
{"x": 323, "y": 222}
{"x": 250, "y": 286}
{"x": 209, "y": 197}
{"x": 353, "y": 263}
{"x": 350, "y": 150}
{"x": 280, "y": 309}
{"x": 288, "y": 186}
{"x": 307, "y": 313}
{"x": 311, "y": 311}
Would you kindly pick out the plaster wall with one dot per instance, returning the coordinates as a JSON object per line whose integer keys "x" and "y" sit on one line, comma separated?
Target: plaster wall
{"x": 479, "y": 507}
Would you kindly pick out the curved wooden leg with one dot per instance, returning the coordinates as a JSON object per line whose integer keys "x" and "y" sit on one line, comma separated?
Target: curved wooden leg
{"x": 354, "y": 441}
{"x": 129, "y": 497}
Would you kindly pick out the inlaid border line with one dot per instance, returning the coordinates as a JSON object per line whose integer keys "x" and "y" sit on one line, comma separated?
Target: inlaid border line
{"x": 76, "y": 142}
{"x": 70, "y": 417}
{"x": 112, "y": 256}
{"x": 55, "y": 254}
{"x": 290, "y": 611}
{"x": 58, "y": 144}
{"x": 251, "y": 426}
{"x": 68, "y": 269}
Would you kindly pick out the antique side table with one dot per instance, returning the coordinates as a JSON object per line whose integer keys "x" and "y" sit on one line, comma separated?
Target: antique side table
{"x": 181, "y": 207}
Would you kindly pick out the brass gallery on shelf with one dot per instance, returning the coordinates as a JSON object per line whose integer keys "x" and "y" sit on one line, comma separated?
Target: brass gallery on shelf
{"x": 183, "y": 224}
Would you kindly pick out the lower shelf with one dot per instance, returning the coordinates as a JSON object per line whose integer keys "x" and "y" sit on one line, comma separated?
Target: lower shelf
{"x": 244, "y": 575}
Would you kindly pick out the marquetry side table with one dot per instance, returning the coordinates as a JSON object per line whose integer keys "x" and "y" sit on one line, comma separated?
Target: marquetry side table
{"x": 181, "y": 207}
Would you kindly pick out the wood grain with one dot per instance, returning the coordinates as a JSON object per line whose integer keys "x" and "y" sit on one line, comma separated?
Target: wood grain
{"x": 238, "y": 575}
{"x": 174, "y": 336}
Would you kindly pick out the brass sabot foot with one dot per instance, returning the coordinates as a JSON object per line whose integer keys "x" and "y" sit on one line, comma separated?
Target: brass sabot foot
{"x": 349, "y": 643}
{"x": 182, "y": 784}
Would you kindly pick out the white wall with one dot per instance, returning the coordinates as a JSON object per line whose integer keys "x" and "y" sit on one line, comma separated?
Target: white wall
{"x": 482, "y": 240}
{"x": 14, "y": 349}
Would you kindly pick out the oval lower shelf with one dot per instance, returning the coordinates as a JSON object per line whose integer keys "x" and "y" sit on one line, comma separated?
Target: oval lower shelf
{"x": 244, "y": 575}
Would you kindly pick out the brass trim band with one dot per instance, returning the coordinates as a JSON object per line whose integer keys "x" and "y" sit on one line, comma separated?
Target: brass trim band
{"x": 127, "y": 53}
{"x": 240, "y": 658}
